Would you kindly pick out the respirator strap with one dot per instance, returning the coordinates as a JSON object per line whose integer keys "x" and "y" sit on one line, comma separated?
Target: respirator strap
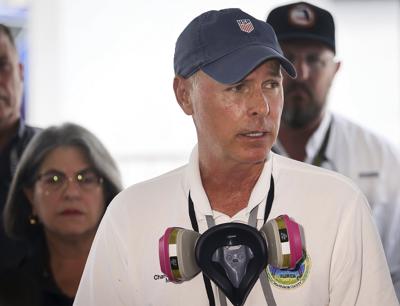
{"x": 266, "y": 287}
{"x": 195, "y": 226}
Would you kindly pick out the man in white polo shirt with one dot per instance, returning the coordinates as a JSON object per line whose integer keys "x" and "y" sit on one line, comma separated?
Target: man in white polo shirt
{"x": 228, "y": 78}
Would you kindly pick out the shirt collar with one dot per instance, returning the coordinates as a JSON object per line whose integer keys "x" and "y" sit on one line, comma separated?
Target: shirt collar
{"x": 317, "y": 138}
{"x": 15, "y": 138}
{"x": 21, "y": 127}
{"x": 200, "y": 200}
{"x": 20, "y": 131}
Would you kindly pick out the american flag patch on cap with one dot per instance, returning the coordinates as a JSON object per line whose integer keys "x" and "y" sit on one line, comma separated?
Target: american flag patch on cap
{"x": 245, "y": 25}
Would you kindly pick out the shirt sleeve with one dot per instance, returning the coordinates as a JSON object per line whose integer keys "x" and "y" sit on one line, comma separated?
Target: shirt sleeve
{"x": 359, "y": 271}
{"x": 105, "y": 280}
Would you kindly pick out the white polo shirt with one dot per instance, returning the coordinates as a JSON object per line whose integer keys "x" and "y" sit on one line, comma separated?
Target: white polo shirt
{"x": 345, "y": 263}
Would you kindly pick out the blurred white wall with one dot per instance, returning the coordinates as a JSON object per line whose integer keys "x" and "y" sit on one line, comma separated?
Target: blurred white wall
{"x": 367, "y": 88}
{"x": 108, "y": 65}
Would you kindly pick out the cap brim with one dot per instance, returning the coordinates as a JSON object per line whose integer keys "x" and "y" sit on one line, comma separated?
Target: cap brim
{"x": 307, "y": 36}
{"x": 235, "y": 66}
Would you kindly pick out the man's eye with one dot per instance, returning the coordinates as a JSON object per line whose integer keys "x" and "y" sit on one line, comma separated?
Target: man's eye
{"x": 313, "y": 59}
{"x": 271, "y": 84}
{"x": 237, "y": 88}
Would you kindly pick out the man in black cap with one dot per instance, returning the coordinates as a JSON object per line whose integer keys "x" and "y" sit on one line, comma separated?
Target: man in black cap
{"x": 228, "y": 79}
{"x": 310, "y": 133}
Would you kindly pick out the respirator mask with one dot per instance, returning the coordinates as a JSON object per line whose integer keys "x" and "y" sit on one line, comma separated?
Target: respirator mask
{"x": 232, "y": 255}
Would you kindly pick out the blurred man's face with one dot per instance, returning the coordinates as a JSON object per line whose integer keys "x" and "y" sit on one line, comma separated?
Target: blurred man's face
{"x": 306, "y": 96}
{"x": 239, "y": 122}
{"x": 11, "y": 83}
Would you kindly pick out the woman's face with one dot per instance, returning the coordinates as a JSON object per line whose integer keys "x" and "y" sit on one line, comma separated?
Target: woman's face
{"x": 67, "y": 196}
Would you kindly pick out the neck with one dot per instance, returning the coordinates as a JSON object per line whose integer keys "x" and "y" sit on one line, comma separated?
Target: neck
{"x": 295, "y": 140}
{"x": 67, "y": 261}
{"x": 7, "y": 132}
{"x": 228, "y": 187}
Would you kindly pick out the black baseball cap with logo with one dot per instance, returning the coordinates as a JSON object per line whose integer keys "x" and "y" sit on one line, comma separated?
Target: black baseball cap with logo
{"x": 302, "y": 20}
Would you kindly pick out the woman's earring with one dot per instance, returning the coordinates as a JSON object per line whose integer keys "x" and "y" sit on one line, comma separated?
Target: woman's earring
{"x": 33, "y": 220}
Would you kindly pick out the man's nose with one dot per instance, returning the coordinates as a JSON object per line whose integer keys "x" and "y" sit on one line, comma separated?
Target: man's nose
{"x": 303, "y": 69}
{"x": 258, "y": 103}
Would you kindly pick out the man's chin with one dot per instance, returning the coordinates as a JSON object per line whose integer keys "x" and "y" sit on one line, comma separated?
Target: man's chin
{"x": 294, "y": 124}
{"x": 297, "y": 118}
{"x": 255, "y": 156}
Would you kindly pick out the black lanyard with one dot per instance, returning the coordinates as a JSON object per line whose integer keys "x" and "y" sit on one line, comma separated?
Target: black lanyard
{"x": 320, "y": 157}
{"x": 195, "y": 226}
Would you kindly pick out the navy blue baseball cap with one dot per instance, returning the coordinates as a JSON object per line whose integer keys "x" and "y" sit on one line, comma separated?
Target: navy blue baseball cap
{"x": 227, "y": 45}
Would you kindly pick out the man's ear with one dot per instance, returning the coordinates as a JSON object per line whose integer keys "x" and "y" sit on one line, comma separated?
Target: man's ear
{"x": 182, "y": 93}
{"x": 21, "y": 71}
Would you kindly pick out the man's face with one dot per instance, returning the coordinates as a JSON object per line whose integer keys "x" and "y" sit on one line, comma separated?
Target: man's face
{"x": 11, "y": 83}
{"x": 238, "y": 122}
{"x": 306, "y": 96}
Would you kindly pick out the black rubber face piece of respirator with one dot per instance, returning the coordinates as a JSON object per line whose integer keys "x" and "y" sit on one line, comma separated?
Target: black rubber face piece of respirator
{"x": 232, "y": 255}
